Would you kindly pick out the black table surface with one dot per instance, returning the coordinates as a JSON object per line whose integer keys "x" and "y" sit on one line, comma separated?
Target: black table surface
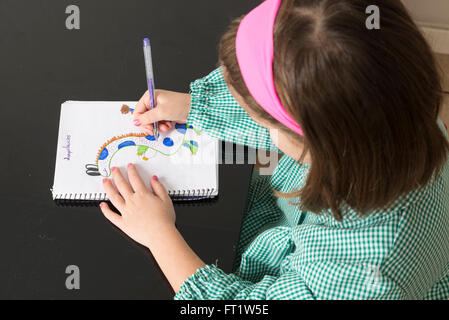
{"x": 42, "y": 64}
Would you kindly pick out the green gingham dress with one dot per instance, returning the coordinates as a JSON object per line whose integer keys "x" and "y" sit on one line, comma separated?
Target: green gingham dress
{"x": 286, "y": 253}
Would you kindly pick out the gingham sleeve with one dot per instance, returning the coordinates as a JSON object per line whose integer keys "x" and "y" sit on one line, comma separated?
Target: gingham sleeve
{"x": 265, "y": 273}
{"x": 334, "y": 281}
{"x": 215, "y": 111}
{"x": 211, "y": 283}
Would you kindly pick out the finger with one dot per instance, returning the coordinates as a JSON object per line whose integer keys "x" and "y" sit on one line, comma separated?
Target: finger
{"x": 159, "y": 189}
{"x": 135, "y": 179}
{"x": 143, "y": 105}
{"x": 149, "y": 129}
{"x": 163, "y": 127}
{"x": 166, "y": 122}
{"x": 116, "y": 199}
{"x": 122, "y": 185}
{"x": 111, "y": 215}
{"x": 150, "y": 116}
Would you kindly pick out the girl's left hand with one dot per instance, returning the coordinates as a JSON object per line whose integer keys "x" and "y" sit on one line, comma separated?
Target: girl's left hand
{"x": 146, "y": 214}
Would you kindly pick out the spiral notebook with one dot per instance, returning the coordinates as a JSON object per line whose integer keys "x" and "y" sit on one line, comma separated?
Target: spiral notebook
{"x": 96, "y": 136}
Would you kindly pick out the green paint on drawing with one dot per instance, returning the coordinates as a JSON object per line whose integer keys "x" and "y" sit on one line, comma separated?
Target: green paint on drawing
{"x": 141, "y": 149}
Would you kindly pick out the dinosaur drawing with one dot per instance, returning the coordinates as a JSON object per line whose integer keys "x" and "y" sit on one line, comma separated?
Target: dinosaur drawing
{"x": 146, "y": 146}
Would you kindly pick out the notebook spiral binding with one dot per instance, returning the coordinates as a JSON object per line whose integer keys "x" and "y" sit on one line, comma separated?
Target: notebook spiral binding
{"x": 193, "y": 197}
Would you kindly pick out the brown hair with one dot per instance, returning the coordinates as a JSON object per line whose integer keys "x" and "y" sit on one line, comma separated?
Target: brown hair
{"x": 366, "y": 100}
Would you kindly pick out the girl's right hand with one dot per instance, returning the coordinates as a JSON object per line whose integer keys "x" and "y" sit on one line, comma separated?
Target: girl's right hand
{"x": 170, "y": 106}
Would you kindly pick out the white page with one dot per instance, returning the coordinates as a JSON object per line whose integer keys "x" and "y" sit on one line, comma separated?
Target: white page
{"x": 86, "y": 126}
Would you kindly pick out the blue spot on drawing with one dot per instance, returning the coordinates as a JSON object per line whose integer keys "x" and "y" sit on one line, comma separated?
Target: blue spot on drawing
{"x": 126, "y": 144}
{"x": 150, "y": 137}
{"x": 168, "y": 142}
{"x": 104, "y": 153}
{"x": 190, "y": 126}
{"x": 194, "y": 143}
{"x": 181, "y": 127}
{"x": 186, "y": 145}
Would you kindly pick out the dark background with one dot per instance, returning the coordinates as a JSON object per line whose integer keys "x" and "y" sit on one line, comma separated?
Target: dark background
{"x": 42, "y": 64}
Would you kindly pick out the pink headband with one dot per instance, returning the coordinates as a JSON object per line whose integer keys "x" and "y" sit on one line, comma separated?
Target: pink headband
{"x": 254, "y": 48}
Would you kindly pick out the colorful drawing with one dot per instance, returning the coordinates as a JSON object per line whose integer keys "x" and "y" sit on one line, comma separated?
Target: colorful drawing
{"x": 146, "y": 146}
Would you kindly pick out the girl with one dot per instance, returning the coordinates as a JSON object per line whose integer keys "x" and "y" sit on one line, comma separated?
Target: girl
{"x": 358, "y": 206}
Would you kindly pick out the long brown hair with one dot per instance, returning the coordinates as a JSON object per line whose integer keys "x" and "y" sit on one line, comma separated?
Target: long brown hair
{"x": 367, "y": 100}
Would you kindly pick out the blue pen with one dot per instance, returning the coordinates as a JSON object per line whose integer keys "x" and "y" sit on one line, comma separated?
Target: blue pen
{"x": 150, "y": 78}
